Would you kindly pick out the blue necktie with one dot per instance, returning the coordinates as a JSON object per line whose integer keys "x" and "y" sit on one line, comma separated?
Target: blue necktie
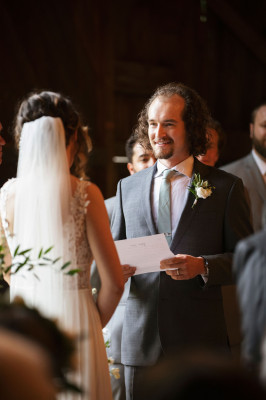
{"x": 164, "y": 208}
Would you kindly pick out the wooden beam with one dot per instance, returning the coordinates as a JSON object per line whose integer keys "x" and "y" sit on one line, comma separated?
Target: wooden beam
{"x": 251, "y": 39}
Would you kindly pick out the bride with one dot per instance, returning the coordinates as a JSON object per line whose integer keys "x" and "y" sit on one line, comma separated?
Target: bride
{"x": 46, "y": 206}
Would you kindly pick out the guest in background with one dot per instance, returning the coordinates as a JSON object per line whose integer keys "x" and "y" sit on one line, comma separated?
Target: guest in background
{"x": 216, "y": 143}
{"x": 252, "y": 168}
{"x": 139, "y": 158}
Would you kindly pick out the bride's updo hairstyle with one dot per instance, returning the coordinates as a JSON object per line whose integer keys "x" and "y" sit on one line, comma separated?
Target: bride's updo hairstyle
{"x": 46, "y": 103}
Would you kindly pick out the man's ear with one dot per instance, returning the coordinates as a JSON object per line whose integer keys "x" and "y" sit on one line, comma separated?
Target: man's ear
{"x": 251, "y": 130}
{"x": 130, "y": 168}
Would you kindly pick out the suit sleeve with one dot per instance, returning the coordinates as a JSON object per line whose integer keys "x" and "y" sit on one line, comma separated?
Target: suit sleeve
{"x": 118, "y": 227}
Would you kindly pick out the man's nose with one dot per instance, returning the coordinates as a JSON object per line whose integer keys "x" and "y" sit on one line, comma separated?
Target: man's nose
{"x": 159, "y": 132}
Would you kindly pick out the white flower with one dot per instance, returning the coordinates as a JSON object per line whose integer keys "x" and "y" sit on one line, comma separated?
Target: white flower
{"x": 105, "y": 331}
{"x": 110, "y": 360}
{"x": 115, "y": 372}
{"x": 203, "y": 193}
{"x": 200, "y": 189}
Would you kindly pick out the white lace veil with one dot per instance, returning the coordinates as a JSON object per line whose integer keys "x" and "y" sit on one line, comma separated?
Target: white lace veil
{"x": 42, "y": 218}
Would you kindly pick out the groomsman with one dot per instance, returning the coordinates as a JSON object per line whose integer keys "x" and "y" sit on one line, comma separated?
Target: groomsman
{"x": 139, "y": 158}
{"x": 252, "y": 168}
{"x": 182, "y": 306}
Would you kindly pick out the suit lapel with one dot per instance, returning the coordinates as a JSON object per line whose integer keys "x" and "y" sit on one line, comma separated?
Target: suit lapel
{"x": 188, "y": 211}
{"x": 254, "y": 171}
{"x": 146, "y": 189}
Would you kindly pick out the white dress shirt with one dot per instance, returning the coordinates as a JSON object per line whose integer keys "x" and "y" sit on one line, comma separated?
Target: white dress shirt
{"x": 260, "y": 163}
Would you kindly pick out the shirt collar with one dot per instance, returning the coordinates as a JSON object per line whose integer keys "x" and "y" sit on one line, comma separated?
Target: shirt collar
{"x": 259, "y": 161}
{"x": 185, "y": 167}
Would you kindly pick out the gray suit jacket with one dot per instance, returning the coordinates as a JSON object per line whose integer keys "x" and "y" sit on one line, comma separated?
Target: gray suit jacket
{"x": 163, "y": 314}
{"x": 246, "y": 169}
{"x": 110, "y": 205}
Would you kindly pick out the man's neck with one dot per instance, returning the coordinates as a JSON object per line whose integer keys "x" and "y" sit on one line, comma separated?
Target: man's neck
{"x": 172, "y": 162}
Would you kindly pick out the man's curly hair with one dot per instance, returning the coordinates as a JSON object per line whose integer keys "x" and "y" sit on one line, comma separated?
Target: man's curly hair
{"x": 196, "y": 117}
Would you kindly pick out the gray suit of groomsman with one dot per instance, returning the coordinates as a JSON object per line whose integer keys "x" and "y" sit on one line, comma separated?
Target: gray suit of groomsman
{"x": 182, "y": 307}
{"x": 252, "y": 168}
{"x": 247, "y": 169}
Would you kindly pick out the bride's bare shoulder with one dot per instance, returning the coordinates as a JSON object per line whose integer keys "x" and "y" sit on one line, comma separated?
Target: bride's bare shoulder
{"x": 94, "y": 192}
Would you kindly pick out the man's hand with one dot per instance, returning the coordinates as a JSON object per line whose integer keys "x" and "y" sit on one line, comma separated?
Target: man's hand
{"x": 128, "y": 271}
{"x": 183, "y": 266}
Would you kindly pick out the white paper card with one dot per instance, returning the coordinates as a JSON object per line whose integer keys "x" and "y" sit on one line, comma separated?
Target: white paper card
{"x": 144, "y": 253}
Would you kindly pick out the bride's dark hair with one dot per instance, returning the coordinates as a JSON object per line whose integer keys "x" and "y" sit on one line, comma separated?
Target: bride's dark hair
{"x": 45, "y": 103}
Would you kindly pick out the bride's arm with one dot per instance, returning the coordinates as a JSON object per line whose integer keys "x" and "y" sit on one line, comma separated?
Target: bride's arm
{"x": 104, "y": 253}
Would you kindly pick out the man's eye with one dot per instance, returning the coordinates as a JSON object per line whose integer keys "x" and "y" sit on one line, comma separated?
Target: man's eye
{"x": 169, "y": 124}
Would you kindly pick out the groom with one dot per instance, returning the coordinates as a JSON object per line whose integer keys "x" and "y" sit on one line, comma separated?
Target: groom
{"x": 182, "y": 307}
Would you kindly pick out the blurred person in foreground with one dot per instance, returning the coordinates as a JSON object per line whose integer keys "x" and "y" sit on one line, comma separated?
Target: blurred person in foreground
{"x": 183, "y": 375}
{"x": 250, "y": 271}
{"x": 36, "y": 355}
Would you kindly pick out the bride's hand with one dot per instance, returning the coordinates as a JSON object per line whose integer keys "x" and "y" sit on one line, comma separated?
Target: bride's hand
{"x": 128, "y": 271}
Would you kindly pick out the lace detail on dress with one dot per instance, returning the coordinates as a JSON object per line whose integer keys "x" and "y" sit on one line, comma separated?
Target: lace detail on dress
{"x": 79, "y": 206}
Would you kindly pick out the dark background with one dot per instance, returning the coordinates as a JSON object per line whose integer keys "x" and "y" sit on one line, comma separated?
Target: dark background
{"x": 110, "y": 56}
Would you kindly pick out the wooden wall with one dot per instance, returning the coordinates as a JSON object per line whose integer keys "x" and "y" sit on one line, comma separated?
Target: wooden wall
{"x": 109, "y": 56}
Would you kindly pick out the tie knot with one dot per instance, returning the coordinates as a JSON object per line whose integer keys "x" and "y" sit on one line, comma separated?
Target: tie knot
{"x": 168, "y": 173}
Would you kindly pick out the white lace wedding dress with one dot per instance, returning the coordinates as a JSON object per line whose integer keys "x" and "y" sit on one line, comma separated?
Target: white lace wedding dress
{"x": 94, "y": 374}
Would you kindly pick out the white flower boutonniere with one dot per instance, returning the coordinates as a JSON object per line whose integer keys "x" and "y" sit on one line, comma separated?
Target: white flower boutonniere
{"x": 200, "y": 188}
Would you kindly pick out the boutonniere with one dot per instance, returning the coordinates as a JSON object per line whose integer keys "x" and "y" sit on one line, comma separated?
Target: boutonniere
{"x": 200, "y": 188}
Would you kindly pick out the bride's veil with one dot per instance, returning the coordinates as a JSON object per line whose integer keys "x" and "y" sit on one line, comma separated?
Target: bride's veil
{"x": 42, "y": 218}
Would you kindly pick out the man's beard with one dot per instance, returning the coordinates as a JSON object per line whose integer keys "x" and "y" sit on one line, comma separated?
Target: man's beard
{"x": 259, "y": 146}
{"x": 163, "y": 154}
